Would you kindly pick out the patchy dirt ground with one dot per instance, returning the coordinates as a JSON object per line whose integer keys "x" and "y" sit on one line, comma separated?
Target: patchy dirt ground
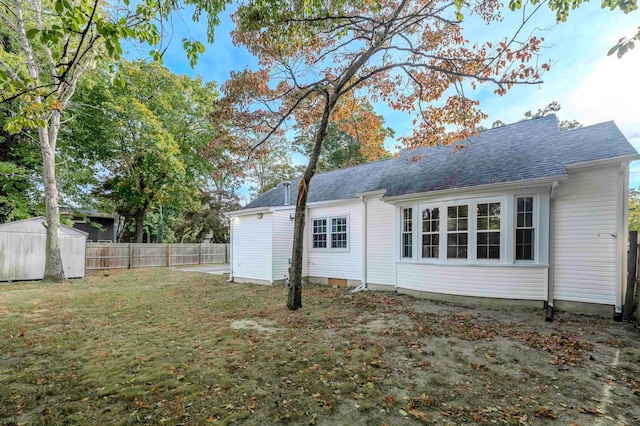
{"x": 158, "y": 346}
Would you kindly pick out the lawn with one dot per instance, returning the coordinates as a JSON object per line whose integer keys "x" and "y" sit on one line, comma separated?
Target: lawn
{"x": 158, "y": 346}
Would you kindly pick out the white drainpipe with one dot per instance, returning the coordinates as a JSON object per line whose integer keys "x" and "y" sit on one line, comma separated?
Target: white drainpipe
{"x": 363, "y": 273}
{"x": 231, "y": 219}
{"x": 552, "y": 222}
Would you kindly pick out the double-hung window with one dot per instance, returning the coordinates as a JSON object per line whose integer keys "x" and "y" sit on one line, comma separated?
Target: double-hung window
{"x": 524, "y": 228}
{"x": 407, "y": 233}
{"x": 339, "y": 232}
{"x": 430, "y": 233}
{"x": 320, "y": 233}
{"x": 488, "y": 230}
{"x": 457, "y": 235}
{"x": 330, "y": 233}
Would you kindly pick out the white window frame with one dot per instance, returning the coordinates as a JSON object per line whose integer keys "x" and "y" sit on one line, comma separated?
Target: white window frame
{"x": 469, "y": 231}
{"x": 329, "y": 232}
{"x": 422, "y": 233}
{"x": 313, "y": 233}
{"x": 535, "y": 226}
{"x": 403, "y": 232}
{"x": 503, "y": 205}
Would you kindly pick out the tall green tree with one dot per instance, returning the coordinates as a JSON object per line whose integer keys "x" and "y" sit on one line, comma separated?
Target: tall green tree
{"x": 146, "y": 139}
{"x": 57, "y": 42}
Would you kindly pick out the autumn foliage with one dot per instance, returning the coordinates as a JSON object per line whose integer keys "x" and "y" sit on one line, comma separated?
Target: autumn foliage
{"x": 317, "y": 56}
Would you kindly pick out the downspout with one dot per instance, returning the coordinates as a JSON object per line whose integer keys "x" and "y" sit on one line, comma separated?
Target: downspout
{"x": 363, "y": 262}
{"x": 550, "y": 271}
{"x": 231, "y": 219}
{"x": 622, "y": 236}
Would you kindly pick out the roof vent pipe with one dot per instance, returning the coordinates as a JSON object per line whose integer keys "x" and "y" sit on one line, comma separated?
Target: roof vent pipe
{"x": 287, "y": 192}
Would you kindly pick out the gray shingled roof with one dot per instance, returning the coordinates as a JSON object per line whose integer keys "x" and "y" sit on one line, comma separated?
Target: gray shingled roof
{"x": 532, "y": 149}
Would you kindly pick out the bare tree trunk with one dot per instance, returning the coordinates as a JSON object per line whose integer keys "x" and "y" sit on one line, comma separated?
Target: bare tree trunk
{"x": 294, "y": 297}
{"x": 53, "y": 268}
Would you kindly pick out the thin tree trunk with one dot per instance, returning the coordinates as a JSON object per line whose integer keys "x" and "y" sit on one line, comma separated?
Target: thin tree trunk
{"x": 294, "y": 297}
{"x": 53, "y": 268}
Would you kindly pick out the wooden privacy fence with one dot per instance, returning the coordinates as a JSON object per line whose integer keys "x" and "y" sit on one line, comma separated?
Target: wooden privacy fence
{"x": 127, "y": 256}
{"x": 632, "y": 296}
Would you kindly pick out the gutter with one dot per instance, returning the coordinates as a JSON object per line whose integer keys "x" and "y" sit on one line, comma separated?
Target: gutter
{"x": 550, "y": 271}
{"x": 528, "y": 183}
{"x": 622, "y": 239}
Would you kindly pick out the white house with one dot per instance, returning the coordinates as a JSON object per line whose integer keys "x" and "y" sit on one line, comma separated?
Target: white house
{"x": 524, "y": 213}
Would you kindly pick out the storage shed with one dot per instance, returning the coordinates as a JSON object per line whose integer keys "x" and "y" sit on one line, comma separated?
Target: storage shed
{"x": 22, "y": 250}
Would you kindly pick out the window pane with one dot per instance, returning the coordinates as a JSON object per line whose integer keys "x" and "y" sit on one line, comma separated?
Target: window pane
{"x": 462, "y": 224}
{"x": 494, "y": 223}
{"x": 482, "y": 209}
{"x": 482, "y": 252}
{"x": 482, "y": 238}
{"x": 528, "y": 220}
{"x": 494, "y": 252}
{"x": 494, "y": 238}
{"x": 483, "y": 223}
{"x": 463, "y": 211}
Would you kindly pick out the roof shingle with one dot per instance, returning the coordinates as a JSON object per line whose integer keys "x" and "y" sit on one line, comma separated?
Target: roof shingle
{"x": 526, "y": 150}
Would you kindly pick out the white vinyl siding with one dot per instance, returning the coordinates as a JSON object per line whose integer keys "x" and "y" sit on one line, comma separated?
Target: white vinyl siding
{"x": 381, "y": 234}
{"x": 338, "y": 263}
{"x": 585, "y": 237}
{"x": 282, "y": 243}
{"x": 252, "y": 247}
{"x": 502, "y": 282}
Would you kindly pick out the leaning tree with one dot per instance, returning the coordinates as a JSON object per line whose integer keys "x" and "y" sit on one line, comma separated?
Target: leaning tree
{"x": 410, "y": 54}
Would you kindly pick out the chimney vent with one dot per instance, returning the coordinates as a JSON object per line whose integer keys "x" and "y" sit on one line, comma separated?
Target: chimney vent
{"x": 287, "y": 192}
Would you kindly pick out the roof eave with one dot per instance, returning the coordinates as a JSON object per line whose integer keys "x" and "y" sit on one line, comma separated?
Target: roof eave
{"x": 603, "y": 162}
{"x": 244, "y": 212}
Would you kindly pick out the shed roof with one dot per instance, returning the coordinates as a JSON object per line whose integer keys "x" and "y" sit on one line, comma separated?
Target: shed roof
{"x": 34, "y": 225}
{"x": 524, "y": 151}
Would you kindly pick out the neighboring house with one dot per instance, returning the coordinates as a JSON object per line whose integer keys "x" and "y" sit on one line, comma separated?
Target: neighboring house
{"x": 100, "y": 227}
{"x": 524, "y": 212}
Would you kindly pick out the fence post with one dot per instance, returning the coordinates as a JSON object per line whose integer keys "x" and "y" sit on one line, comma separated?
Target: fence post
{"x": 631, "y": 275}
{"x": 168, "y": 255}
{"x": 130, "y": 256}
{"x": 200, "y": 254}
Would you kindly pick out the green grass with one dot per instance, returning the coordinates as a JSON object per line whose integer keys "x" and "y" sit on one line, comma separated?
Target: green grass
{"x": 160, "y": 346}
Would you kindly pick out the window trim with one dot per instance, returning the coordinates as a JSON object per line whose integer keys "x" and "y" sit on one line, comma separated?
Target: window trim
{"x": 329, "y": 233}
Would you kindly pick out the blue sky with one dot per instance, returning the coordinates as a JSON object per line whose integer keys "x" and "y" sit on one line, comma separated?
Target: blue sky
{"x": 590, "y": 86}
